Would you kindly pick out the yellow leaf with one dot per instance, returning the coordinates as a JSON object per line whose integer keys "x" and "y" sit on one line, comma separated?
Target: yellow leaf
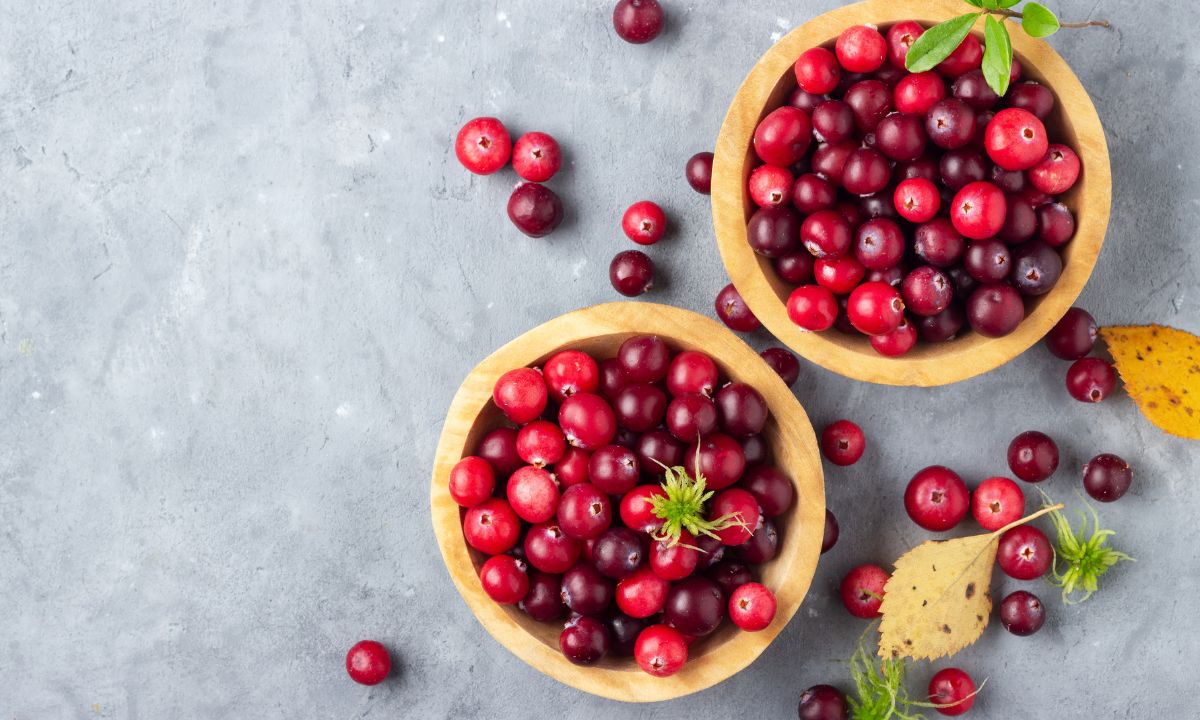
{"x": 938, "y": 600}
{"x": 1161, "y": 370}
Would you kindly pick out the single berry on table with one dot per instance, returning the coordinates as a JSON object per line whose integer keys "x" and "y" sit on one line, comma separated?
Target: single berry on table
{"x": 997, "y": 502}
{"x": 1024, "y": 553}
{"x": 862, "y": 590}
{"x": 536, "y": 157}
{"x": 1107, "y": 477}
{"x": 733, "y": 311}
{"x": 644, "y": 222}
{"x": 1022, "y": 613}
{"x": 1073, "y": 336}
{"x": 535, "y": 209}
{"x": 784, "y": 363}
{"x": 368, "y": 662}
{"x": 483, "y": 145}
{"x": 631, "y": 273}
{"x": 638, "y": 21}
{"x": 823, "y": 702}
{"x": 952, "y": 691}
{"x": 1032, "y": 456}
{"x": 698, "y": 172}
{"x": 936, "y": 498}
{"x": 1091, "y": 379}
{"x": 843, "y": 442}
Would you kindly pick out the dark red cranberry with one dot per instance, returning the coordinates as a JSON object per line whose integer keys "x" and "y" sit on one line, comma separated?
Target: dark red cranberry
{"x": 483, "y": 145}
{"x": 817, "y": 71}
{"x": 936, "y": 498}
{"x": 624, "y": 631}
{"x": 617, "y": 552}
{"x": 771, "y": 488}
{"x": 1036, "y": 268}
{"x": 762, "y": 546}
{"x": 543, "y": 602}
{"x": 829, "y": 160}
{"x": 1073, "y": 336}
{"x": 1091, "y": 379}
{"x": 795, "y": 268}
{"x": 784, "y": 363}
{"x": 1031, "y": 96}
{"x": 995, "y": 310}
{"x": 1020, "y": 222}
{"x": 584, "y": 640}
{"x": 698, "y": 172}
{"x": 1010, "y": 181}
{"x": 614, "y": 469}
{"x": 1032, "y": 456}
{"x": 959, "y": 168}
{"x": 756, "y": 450}
{"x": 1022, "y": 613}
{"x": 972, "y": 88}
{"x": 824, "y": 702}
{"x": 499, "y": 448}
{"x": 866, "y": 171}
{"x": 695, "y": 606}
{"x": 889, "y": 75}
{"x": 584, "y": 512}
{"x": 587, "y": 421}
{"x": 870, "y": 101}
{"x": 964, "y": 284}
{"x": 806, "y": 101}
{"x": 691, "y": 416}
{"x": 830, "y": 537}
{"x": 640, "y": 407}
{"x": 535, "y": 209}
{"x": 655, "y": 447}
{"x": 833, "y": 121}
{"x": 901, "y": 136}
{"x": 988, "y": 261}
{"x": 942, "y": 327}
{"x": 1107, "y": 477}
{"x": 721, "y": 460}
{"x": 927, "y": 291}
{"x": 783, "y": 136}
{"x": 551, "y": 550}
{"x": 644, "y": 358}
{"x": 773, "y": 231}
{"x": 839, "y": 275}
{"x": 742, "y": 409}
{"x": 938, "y": 243}
{"x": 923, "y": 167}
{"x": 826, "y": 234}
{"x": 950, "y": 124}
{"x": 368, "y": 662}
{"x": 734, "y": 312}
{"x": 1056, "y": 224}
{"x": 586, "y": 591}
{"x": 729, "y": 575}
{"x": 692, "y": 372}
{"x": 918, "y": 92}
{"x": 638, "y": 21}
{"x": 879, "y": 205}
{"x": 892, "y": 276}
{"x": 631, "y": 273}
{"x": 1024, "y": 553}
{"x": 612, "y": 378}
{"x": 879, "y": 244}
{"x": 812, "y": 193}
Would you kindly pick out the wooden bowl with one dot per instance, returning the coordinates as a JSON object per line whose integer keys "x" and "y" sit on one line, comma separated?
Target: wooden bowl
{"x": 1074, "y": 122}
{"x": 600, "y": 330}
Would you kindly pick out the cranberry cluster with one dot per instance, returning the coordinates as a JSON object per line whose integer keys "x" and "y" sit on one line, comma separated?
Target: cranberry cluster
{"x": 565, "y": 506}
{"x": 907, "y": 205}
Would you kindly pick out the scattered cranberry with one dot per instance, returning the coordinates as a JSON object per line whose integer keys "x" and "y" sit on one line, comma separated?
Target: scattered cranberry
{"x": 491, "y": 527}
{"x": 862, "y": 590}
{"x": 699, "y": 172}
{"x": 812, "y": 307}
{"x": 1091, "y": 379}
{"x": 1024, "y": 553}
{"x": 952, "y": 690}
{"x": 936, "y": 498}
{"x": 823, "y": 702}
{"x": 631, "y": 273}
{"x": 536, "y": 157}
{"x": 830, "y": 537}
{"x": 1073, "y": 336}
{"x": 1033, "y": 456}
{"x": 638, "y": 21}
{"x": 483, "y": 145}
{"x": 817, "y": 71}
{"x": 535, "y": 209}
{"x": 734, "y": 312}
{"x": 504, "y": 579}
{"x": 752, "y": 607}
{"x": 784, "y": 363}
{"x": 997, "y": 502}
{"x": 368, "y": 662}
{"x": 1107, "y": 477}
{"x": 584, "y": 640}
{"x": 472, "y": 481}
{"x": 1022, "y": 613}
{"x": 644, "y": 223}
{"x": 661, "y": 651}
{"x": 843, "y": 442}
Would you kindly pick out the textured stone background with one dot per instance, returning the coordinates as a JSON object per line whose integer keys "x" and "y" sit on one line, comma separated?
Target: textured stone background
{"x": 242, "y": 274}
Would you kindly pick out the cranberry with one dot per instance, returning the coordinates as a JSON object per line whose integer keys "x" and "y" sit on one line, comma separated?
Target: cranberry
{"x": 491, "y": 527}
{"x": 817, "y": 71}
{"x": 520, "y": 394}
{"x": 843, "y": 442}
{"x": 770, "y": 186}
{"x": 612, "y": 378}
{"x": 752, "y": 607}
{"x": 861, "y": 49}
{"x": 734, "y": 312}
{"x": 533, "y": 494}
{"x": 783, "y": 363}
{"x": 900, "y": 38}
{"x": 499, "y": 448}
{"x": 774, "y": 231}
{"x": 586, "y": 591}
{"x": 824, "y": 702}
{"x": 1057, "y": 172}
{"x": 812, "y": 193}
{"x": 691, "y": 416}
{"x": 875, "y": 308}
{"x": 918, "y": 93}
{"x": 661, "y": 651}
{"x": 927, "y": 291}
{"x": 1107, "y": 477}
{"x": 551, "y": 550}
{"x": 978, "y": 210}
{"x": 916, "y": 199}
{"x": 901, "y": 136}
{"x": 541, "y": 443}
{"x": 987, "y": 261}
{"x": 755, "y": 450}
{"x": 1024, "y": 553}
{"x": 771, "y": 488}
{"x": 587, "y": 421}
{"x": 1036, "y": 268}
{"x": 483, "y": 145}
{"x": 1032, "y": 197}
{"x": 997, "y": 502}
{"x": 617, "y": 552}
{"x": 740, "y": 505}
{"x": 839, "y": 275}
{"x": 1010, "y": 181}
{"x": 1073, "y": 336}
{"x": 806, "y": 101}
{"x": 543, "y": 602}
{"x": 637, "y": 508}
{"x": 879, "y": 244}
{"x": 862, "y": 590}
{"x": 504, "y": 580}
{"x": 938, "y": 243}
{"x": 472, "y": 481}
{"x": 1056, "y": 224}
{"x": 730, "y": 576}
{"x": 1091, "y": 379}
{"x": 674, "y": 562}
{"x": 952, "y": 691}
{"x": 698, "y": 172}
{"x": 967, "y": 56}
{"x": 695, "y": 606}
{"x": 829, "y": 160}
{"x": 569, "y": 372}
{"x": 644, "y": 358}
{"x": 631, "y": 273}
{"x": 950, "y": 123}
{"x": 1020, "y": 222}
{"x": 896, "y": 343}
{"x": 959, "y": 168}
{"x": 585, "y": 640}
{"x": 721, "y": 460}
{"x": 870, "y": 100}
{"x": 624, "y": 631}
{"x": 584, "y": 512}
{"x": 943, "y": 326}
{"x": 892, "y": 276}
{"x": 644, "y": 222}
{"x": 640, "y": 407}
{"x": 824, "y": 233}
{"x": 812, "y": 307}
{"x": 536, "y": 157}
{"x": 995, "y": 310}
{"x": 535, "y": 209}
{"x": 783, "y": 136}
{"x": 692, "y": 372}
{"x": 936, "y": 498}
{"x": 972, "y": 88}
{"x": 742, "y": 409}
{"x": 1022, "y": 613}
{"x": 833, "y": 121}
{"x": 614, "y": 469}
{"x": 762, "y": 546}
{"x": 368, "y": 662}
{"x": 638, "y": 21}
{"x": 866, "y": 171}
{"x": 712, "y": 551}
{"x": 830, "y": 537}
{"x": 1033, "y": 456}
{"x": 657, "y": 448}
{"x": 1032, "y": 97}
{"x": 1016, "y": 139}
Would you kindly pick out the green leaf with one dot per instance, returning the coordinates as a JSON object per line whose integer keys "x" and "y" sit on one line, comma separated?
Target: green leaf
{"x": 1006, "y": 4}
{"x": 976, "y": 3}
{"x": 997, "y": 55}
{"x": 1037, "y": 20}
{"x": 936, "y": 43}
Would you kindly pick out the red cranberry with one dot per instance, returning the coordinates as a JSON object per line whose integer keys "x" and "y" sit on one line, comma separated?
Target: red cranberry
{"x": 824, "y": 233}
{"x": 699, "y": 172}
{"x": 997, "y": 502}
{"x": 901, "y": 136}
{"x": 472, "y": 481}
{"x": 721, "y": 461}
{"x": 638, "y": 21}
{"x": 1057, "y": 172}
{"x": 584, "y": 512}
{"x": 584, "y": 640}
{"x": 771, "y": 488}
{"x": 896, "y": 343}
{"x": 533, "y": 494}
{"x": 756, "y": 450}
{"x": 631, "y": 273}
{"x": 1022, "y": 613}
{"x": 1056, "y": 224}
{"x": 691, "y": 416}
{"x": 587, "y": 421}
{"x": 783, "y": 136}
{"x": 967, "y": 56}
{"x": 640, "y": 407}
{"x": 368, "y": 662}
{"x": 586, "y": 591}
{"x": 959, "y": 168}
{"x": 817, "y": 71}
{"x": 642, "y": 593}
{"x": 674, "y": 562}
{"x": 829, "y": 160}
{"x": 734, "y": 312}
{"x": 833, "y": 121}
{"x": 824, "y": 702}
{"x": 972, "y": 88}
{"x": 1091, "y": 379}
{"x": 875, "y": 308}
{"x": 938, "y": 243}
{"x": 483, "y": 145}
{"x": 504, "y": 580}
{"x": 661, "y": 651}
{"x": 987, "y": 261}
{"x": 1036, "y": 268}
{"x": 536, "y": 157}
{"x": 919, "y": 92}
{"x": 995, "y": 310}
{"x": 770, "y": 186}
{"x": 927, "y": 291}
{"x": 1024, "y": 553}
{"x": 541, "y": 443}
{"x": 936, "y": 498}
{"x": 812, "y": 193}
{"x": 644, "y": 222}
{"x": 1107, "y": 477}
{"x": 695, "y": 606}
{"x": 1016, "y": 139}
{"x": 692, "y": 372}
{"x": 952, "y": 690}
{"x": 861, "y": 49}
{"x": 900, "y": 38}
{"x": 614, "y": 469}
{"x": 1020, "y": 222}
{"x": 535, "y": 209}
{"x": 774, "y": 231}
{"x": 916, "y": 199}
{"x": 950, "y": 123}
{"x": 866, "y": 171}
{"x": 657, "y": 448}
{"x": 521, "y": 395}
{"x": 839, "y": 275}
{"x": 812, "y": 307}
{"x": 1032, "y": 97}
{"x": 943, "y": 326}
{"x": 637, "y": 509}
{"x": 978, "y": 210}
{"x": 543, "y": 602}
{"x": 830, "y": 536}
{"x": 795, "y": 268}
{"x": 752, "y": 607}
{"x": 784, "y": 363}
{"x": 762, "y": 546}
{"x": 870, "y": 100}
{"x": 1073, "y": 336}
{"x": 491, "y": 527}
{"x": 551, "y": 550}
{"x": 644, "y": 358}
{"x": 843, "y": 442}
{"x": 499, "y": 448}
{"x": 862, "y": 590}
{"x": 1032, "y": 456}
{"x": 806, "y": 101}
{"x": 612, "y": 378}
{"x": 569, "y": 372}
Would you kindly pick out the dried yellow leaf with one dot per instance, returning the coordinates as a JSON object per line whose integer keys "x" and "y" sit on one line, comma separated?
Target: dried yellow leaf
{"x": 1161, "y": 370}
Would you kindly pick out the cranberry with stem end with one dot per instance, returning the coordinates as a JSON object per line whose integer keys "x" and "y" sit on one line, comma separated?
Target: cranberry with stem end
{"x": 896, "y": 343}
{"x": 543, "y": 602}
{"x": 655, "y": 447}
{"x": 521, "y": 395}
{"x": 536, "y": 157}
{"x": 843, "y": 442}
{"x": 1036, "y": 268}
{"x": 916, "y": 199}
{"x": 812, "y": 307}
{"x": 938, "y": 243}
{"x": 617, "y": 552}
{"x": 784, "y": 363}
{"x": 569, "y": 372}
{"x": 1091, "y": 379}
{"x": 997, "y": 502}
{"x": 1073, "y": 336}
{"x": 483, "y": 145}
{"x": 541, "y": 443}
{"x": 783, "y": 136}
{"x": 638, "y": 21}
{"x": 824, "y": 233}
{"x": 535, "y": 209}
{"x": 950, "y": 123}
{"x": 691, "y": 416}
{"x": 742, "y": 409}
{"x": 1055, "y": 223}
{"x": 584, "y": 640}
{"x": 631, "y": 273}
{"x": 661, "y": 651}
{"x": 952, "y": 691}
{"x": 987, "y": 261}
{"x": 368, "y": 662}
{"x": 1022, "y": 613}
{"x": 1107, "y": 477}
{"x": 817, "y": 71}
{"x": 551, "y": 550}
{"x": 927, "y": 291}
{"x": 879, "y": 243}
{"x": 692, "y": 372}
{"x": 978, "y": 210}
{"x": 674, "y": 562}
{"x": 1016, "y": 139}
{"x": 491, "y": 527}
{"x": 733, "y": 311}
{"x": 770, "y": 186}
{"x": 584, "y": 512}
{"x": 812, "y": 193}
{"x": 900, "y": 39}
{"x": 875, "y": 308}
{"x": 918, "y": 93}
{"x": 995, "y": 310}
{"x": 752, "y": 607}
{"x": 695, "y": 606}
{"x": 504, "y": 580}
{"x": 771, "y": 488}
{"x": 862, "y": 590}
{"x": 614, "y": 469}
{"x": 472, "y": 481}
{"x": 719, "y": 458}
{"x": 830, "y": 536}
{"x": 587, "y": 421}
{"x": 644, "y": 222}
{"x": 698, "y": 172}
{"x": 499, "y": 448}
{"x": 1057, "y": 172}
{"x": 936, "y": 498}
{"x": 1024, "y": 553}
{"x": 839, "y": 275}
{"x": 774, "y": 231}
{"x": 823, "y": 702}
{"x": 1032, "y": 456}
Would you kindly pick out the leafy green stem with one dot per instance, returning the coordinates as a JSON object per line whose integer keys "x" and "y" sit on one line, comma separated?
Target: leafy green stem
{"x": 681, "y": 507}
{"x": 1080, "y": 559}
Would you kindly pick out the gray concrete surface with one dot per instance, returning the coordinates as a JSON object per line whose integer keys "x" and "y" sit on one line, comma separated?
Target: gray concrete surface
{"x": 241, "y": 276}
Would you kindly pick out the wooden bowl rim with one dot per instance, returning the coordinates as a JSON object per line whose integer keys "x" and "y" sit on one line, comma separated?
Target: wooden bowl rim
{"x": 795, "y": 451}
{"x": 928, "y": 364}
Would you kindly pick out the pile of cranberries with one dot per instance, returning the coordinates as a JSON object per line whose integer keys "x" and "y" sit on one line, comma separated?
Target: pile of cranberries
{"x": 906, "y": 206}
{"x": 1089, "y": 379}
{"x": 562, "y": 504}
{"x": 484, "y": 146}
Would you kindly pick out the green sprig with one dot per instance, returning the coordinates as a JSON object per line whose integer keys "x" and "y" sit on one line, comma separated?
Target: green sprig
{"x": 1084, "y": 559}
{"x": 880, "y": 693}
{"x": 681, "y": 507}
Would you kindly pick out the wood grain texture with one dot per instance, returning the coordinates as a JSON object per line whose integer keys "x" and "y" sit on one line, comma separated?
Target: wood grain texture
{"x": 599, "y": 330}
{"x": 1073, "y": 122}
